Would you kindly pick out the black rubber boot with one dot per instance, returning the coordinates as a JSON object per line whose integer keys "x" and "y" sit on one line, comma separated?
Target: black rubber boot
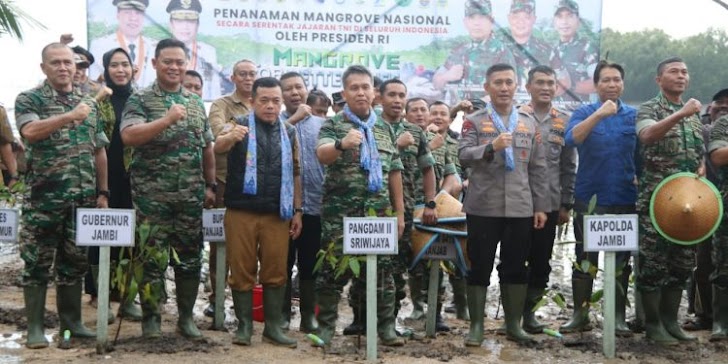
{"x": 35, "y": 298}
{"x": 68, "y": 301}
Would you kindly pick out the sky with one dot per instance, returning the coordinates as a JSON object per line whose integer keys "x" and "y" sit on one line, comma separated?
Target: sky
{"x": 21, "y": 61}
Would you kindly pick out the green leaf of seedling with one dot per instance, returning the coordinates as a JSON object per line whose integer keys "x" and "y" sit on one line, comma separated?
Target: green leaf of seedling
{"x": 593, "y": 271}
{"x": 558, "y": 298}
{"x": 133, "y": 290}
{"x": 319, "y": 261}
{"x": 355, "y": 267}
{"x": 138, "y": 273}
{"x": 143, "y": 231}
{"x": 175, "y": 256}
{"x": 585, "y": 266}
{"x": 597, "y": 296}
{"x": 592, "y": 205}
{"x": 342, "y": 266}
{"x": 389, "y": 212}
{"x": 542, "y": 302}
{"x": 332, "y": 261}
{"x": 372, "y": 212}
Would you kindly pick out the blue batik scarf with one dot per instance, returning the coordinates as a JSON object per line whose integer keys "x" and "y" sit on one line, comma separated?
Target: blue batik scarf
{"x": 369, "y": 154}
{"x": 250, "y": 184}
{"x": 512, "y": 123}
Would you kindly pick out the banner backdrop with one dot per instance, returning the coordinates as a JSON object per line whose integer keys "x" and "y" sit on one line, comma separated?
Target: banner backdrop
{"x": 439, "y": 48}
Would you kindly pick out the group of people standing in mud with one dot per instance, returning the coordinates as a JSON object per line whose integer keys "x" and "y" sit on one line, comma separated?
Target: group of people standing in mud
{"x": 287, "y": 173}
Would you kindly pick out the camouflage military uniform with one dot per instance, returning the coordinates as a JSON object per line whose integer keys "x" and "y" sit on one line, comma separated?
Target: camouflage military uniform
{"x": 664, "y": 264}
{"x": 578, "y": 57}
{"x": 346, "y": 194}
{"x": 61, "y": 177}
{"x": 528, "y": 55}
{"x": 167, "y": 182}
{"x": 446, "y": 159}
{"x": 719, "y": 276}
{"x": 476, "y": 58}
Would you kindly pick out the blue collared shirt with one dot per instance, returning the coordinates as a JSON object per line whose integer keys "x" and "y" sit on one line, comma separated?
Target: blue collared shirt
{"x": 312, "y": 172}
{"x": 606, "y": 157}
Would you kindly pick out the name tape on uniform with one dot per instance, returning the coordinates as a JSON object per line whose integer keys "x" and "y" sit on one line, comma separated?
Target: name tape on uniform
{"x": 213, "y": 229}
{"x": 105, "y": 227}
{"x": 370, "y": 235}
{"x": 441, "y": 250}
{"x": 9, "y": 225}
{"x": 614, "y": 233}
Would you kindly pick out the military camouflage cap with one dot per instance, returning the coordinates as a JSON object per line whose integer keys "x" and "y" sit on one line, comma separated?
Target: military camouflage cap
{"x": 569, "y": 5}
{"x": 478, "y": 7}
{"x": 528, "y": 6}
{"x": 184, "y": 9}
{"x": 140, "y": 5}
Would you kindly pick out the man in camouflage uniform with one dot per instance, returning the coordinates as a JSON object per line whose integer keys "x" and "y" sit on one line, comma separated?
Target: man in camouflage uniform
{"x": 528, "y": 50}
{"x": 574, "y": 57}
{"x": 66, "y": 170}
{"x": 671, "y": 139}
{"x": 350, "y": 190}
{"x": 469, "y": 61}
{"x": 7, "y": 156}
{"x": 172, "y": 172}
{"x": 718, "y": 150}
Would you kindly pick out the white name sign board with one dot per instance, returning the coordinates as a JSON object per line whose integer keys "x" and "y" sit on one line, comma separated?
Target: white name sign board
{"x": 212, "y": 225}
{"x": 370, "y": 235}
{"x": 612, "y": 233}
{"x": 105, "y": 227}
{"x": 441, "y": 251}
{"x": 9, "y": 225}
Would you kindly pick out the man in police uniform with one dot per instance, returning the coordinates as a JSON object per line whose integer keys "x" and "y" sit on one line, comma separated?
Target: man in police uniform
{"x": 469, "y": 61}
{"x": 184, "y": 22}
{"x": 507, "y": 198}
{"x": 222, "y": 112}
{"x": 172, "y": 172}
{"x": 66, "y": 170}
{"x": 528, "y": 50}
{"x": 574, "y": 57}
{"x": 354, "y": 186}
{"x": 130, "y": 16}
{"x": 670, "y": 134}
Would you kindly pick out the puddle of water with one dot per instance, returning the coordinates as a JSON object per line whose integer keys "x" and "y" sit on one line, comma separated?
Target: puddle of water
{"x": 10, "y": 341}
{"x": 10, "y": 359}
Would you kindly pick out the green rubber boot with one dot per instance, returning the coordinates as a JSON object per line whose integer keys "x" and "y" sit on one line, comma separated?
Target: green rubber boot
{"x": 328, "y": 302}
{"x": 476, "y": 296}
{"x": 308, "y": 306}
{"x": 186, "y": 296}
{"x": 669, "y": 306}
{"x": 151, "y": 317}
{"x": 273, "y": 298}
{"x": 286, "y": 307}
{"x": 654, "y": 330}
{"x": 68, "y": 302}
{"x": 243, "y": 305}
{"x": 620, "y": 302}
{"x": 530, "y": 324}
{"x": 582, "y": 291}
{"x": 418, "y": 298}
{"x": 720, "y": 314}
{"x": 129, "y": 310}
{"x": 514, "y": 298}
{"x": 460, "y": 298}
{"x": 95, "y": 274}
{"x": 35, "y": 298}
{"x": 386, "y": 320}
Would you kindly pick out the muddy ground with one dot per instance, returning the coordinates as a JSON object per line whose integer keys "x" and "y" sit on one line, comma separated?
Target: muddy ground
{"x": 216, "y": 347}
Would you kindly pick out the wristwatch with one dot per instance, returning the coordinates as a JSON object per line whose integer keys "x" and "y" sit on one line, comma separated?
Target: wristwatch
{"x": 431, "y": 204}
{"x": 298, "y": 209}
{"x": 337, "y": 145}
{"x": 104, "y": 193}
{"x": 212, "y": 186}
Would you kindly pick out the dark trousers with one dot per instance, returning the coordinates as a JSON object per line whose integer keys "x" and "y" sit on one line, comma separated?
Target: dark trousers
{"x": 484, "y": 234}
{"x": 303, "y": 250}
{"x": 704, "y": 292}
{"x": 622, "y": 258}
{"x": 539, "y": 254}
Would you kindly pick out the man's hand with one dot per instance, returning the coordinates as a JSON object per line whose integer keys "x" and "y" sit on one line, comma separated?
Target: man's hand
{"x": 437, "y": 142}
{"x": 400, "y": 224}
{"x": 237, "y": 133}
{"x": 465, "y": 106}
{"x": 701, "y": 169}
{"x": 691, "y": 107}
{"x": 102, "y": 202}
{"x": 352, "y": 139}
{"x": 301, "y": 113}
{"x": 296, "y": 226}
{"x": 526, "y": 108}
{"x": 405, "y": 140}
{"x": 429, "y": 216}
{"x": 80, "y": 113}
{"x": 209, "y": 198}
{"x": 104, "y": 92}
{"x": 176, "y": 113}
{"x": 539, "y": 220}
{"x": 564, "y": 216}
{"x": 607, "y": 109}
{"x": 67, "y": 38}
{"x": 503, "y": 141}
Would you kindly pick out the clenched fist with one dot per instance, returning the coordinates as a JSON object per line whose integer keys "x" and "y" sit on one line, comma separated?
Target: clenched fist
{"x": 405, "y": 140}
{"x": 437, "y": 142}
{"x": 176, "y": 113}
{"x": 238, "y": 133}
{"x": 608, "y": 108}
{"x": 352, "y": 139}
{"x": 503, "y": 141}
{"x": 691, "y": 107}
{"x": 80, "y": 113}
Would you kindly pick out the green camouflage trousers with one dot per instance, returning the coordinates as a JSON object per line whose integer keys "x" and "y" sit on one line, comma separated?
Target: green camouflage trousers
{"x": 48, "y": 238}
{"x": 719, "y": 255}
{"x": 661, "y": 263}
